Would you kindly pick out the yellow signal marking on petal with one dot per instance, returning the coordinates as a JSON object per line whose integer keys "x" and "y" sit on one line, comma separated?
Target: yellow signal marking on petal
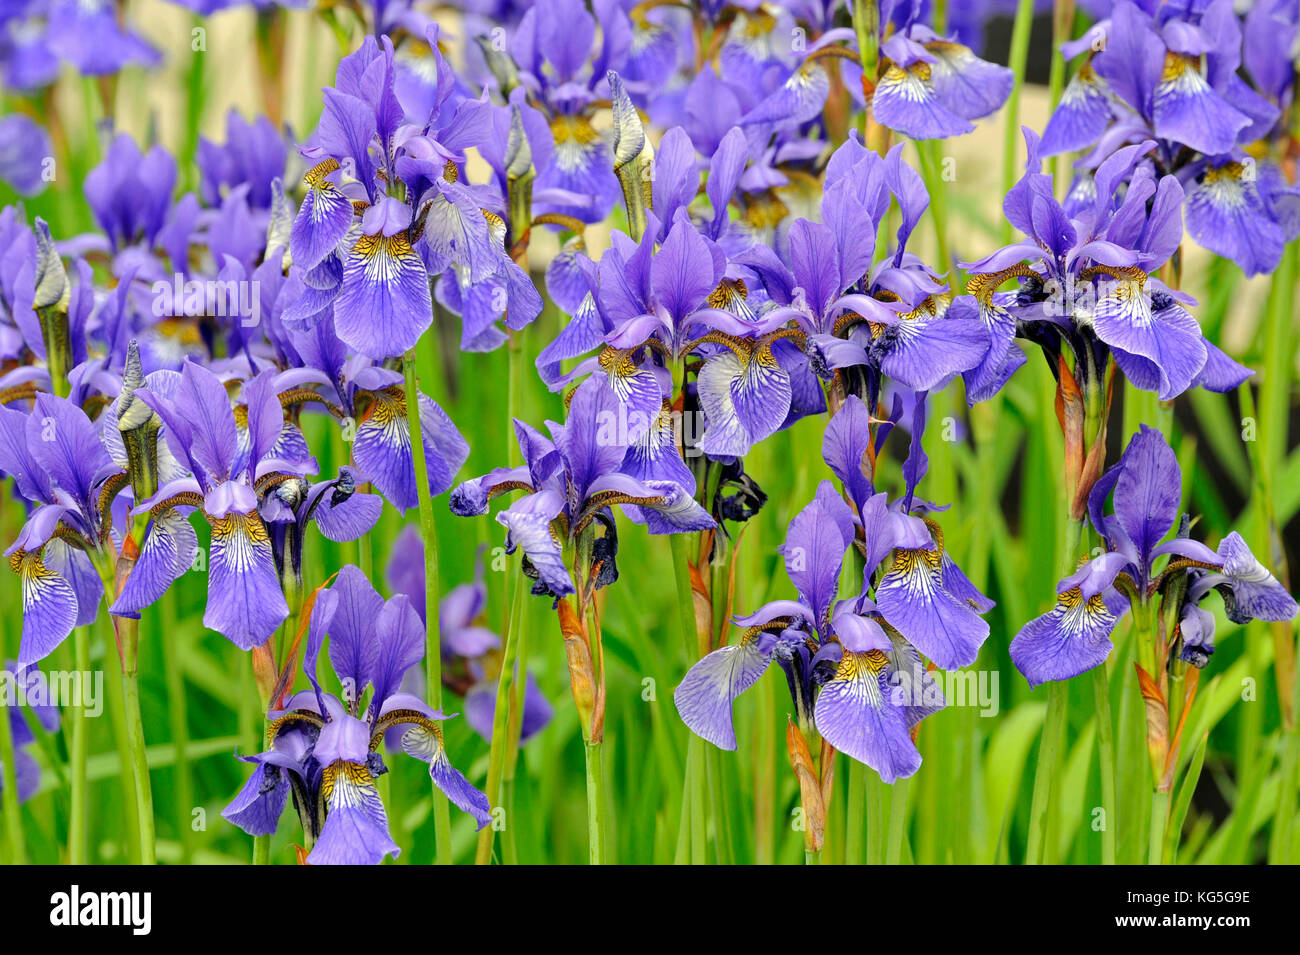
{"x": 239, "y": 536}
{"x": 383, "y": 255}
{"x": 1176, "y": 68}
{"x": 274, "y": 727}
{"x": 855, "y": 665}
{"x": 30, "y": 567}
{"x": 911, "y": 83}
{"x": 353, "y": 775}
{"x": 398, "y": 718}
{"x": 1077, "y": 613}
{"x": 727, "y": 293}
{"x": 573, "y": 129}
{"x": 909, "y": 561}
{"x": 1232, "y": 170}
{"x": 316, "y": 175}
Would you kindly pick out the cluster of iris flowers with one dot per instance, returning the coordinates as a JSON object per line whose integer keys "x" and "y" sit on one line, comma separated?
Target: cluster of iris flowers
{"x": 155, "y": 373}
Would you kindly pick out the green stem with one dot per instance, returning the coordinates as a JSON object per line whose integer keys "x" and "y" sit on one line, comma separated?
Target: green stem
{"x": 115, "y": 689}
{"x": 176, "y": 712}
{"x": 694, "y": 792}
{"x": 718, "y": 807}
{"x": 695, "y": 782}
{"x": 514, "y": 729}
{"x": 135, "y": 740}
{"x": 15, "y": 843}
{"x": 595, "y": 805}
{"x": 1053, "y": 725}
{"x": 194, "y": 110}
{"x": 875, "y": 820}
{"x": 1018, "y": 57}
{"x": 1044, "y": 773}
{"x": 1159, "y": 819}
{"x": 1106, "y": 757}
{"x": 433, "y": 638}
{"x": 500, "y": 722}
{"x": 78, "y": 754}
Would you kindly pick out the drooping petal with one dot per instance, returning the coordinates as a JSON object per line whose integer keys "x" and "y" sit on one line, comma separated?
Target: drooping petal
{"x": 966, "y": 85}
{"x": 1082, "y": 115}
{"x": 74, "y": 566}
{"x": 385, "y": 303}
{"x": 1071, "y": 638}
{"x": 1188, "y": 110}
{"x": 259, "y": 803}
{"x": 245, "y": 603}
{"x": 382, "y": 448}
{"x": 705, "y": 695}
{"x": 168, "y": 552}
{"x": 905, "y": 100}
{"x": 1250, "y": 591}
{"x": 858, "y": 713}
{"x": 1225, "y": 215}
{"x": 1159, "y": 349}
{"x": 914, "y": 601}
{"x": 49, "y": 607}
{"x": 423, "y": 740}
{"x": 529, "y": 524}
{"x": 745, "y": 394}
{"x": 356, "y": 825}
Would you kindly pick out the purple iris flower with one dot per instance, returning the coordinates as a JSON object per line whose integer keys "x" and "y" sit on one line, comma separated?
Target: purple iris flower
{"x": 848, "y": 676}
{"x": 227, "y": 473}
{"x": 59, "y": 464}
{"x": 1086, "y": 287}
{"x": 371, "y": 405}
{"x": 469, "y": 646}
{"x": 853, "y": 665}
{"x": 253, "y": 154}
{"x": 573, "y": 480}
{"x": 25, "y": 151}
{"x": 648, "y": 308}
{"x": 1171, "y": 75}
{"x": 130, "y": 192}
{"x": 561, "y": 53}
{"x": 28, "y": 689}
{"x": 932, "y": 87}
{"x": 87, "y": 34}
{"x": 403, "y": 181}
{"x": 325, "y": 748}
{"x": 1144, "y": 488}
{"x": 893, "y": 318}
